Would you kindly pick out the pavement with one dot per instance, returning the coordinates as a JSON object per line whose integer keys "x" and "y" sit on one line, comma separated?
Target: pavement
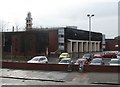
{"x": 38, "y": 77}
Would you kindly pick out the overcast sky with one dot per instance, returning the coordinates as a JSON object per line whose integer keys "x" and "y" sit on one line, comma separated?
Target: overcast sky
{"x": 59, "y": 13}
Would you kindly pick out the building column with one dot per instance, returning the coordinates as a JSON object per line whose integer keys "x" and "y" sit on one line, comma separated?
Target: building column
{"x": 69, "y": 47}
{"x": 86, "y": 46}
{"x": 76, "y": 47}
{"x": 98, "y": 46}
{"x": 90, "y": 46}
{"x": 94, "y": 46}
{"x": 80, "y": 46}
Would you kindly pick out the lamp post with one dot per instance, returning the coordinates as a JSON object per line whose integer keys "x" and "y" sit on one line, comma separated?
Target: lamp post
{"x": 90, "y": 16}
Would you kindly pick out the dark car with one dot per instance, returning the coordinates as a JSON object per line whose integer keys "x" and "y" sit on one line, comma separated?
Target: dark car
{"x": 88, "y": 56}
{"x": 84, "y": 60}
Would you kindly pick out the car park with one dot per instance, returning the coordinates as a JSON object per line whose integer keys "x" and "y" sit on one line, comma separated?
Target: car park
{"x": 66, "y": 61}
{"x": 97, "y": 61}
{"x": 114, "y": 62}
{"x": 38, "y": 59}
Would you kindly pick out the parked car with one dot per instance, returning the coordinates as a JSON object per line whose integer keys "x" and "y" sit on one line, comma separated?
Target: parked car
{"x": 97, "y": 56}
{"x": 66, "y": 61}
{"x": 88, "y": 56}
{"x": 64, "y": 55}
{"x": 38, "y": 59}
{"x": 115, "y": 62}
{"x": 97, "y": 61}
{"x": 84, "y": 60}
{"x": 109, "y": 55}
{"x": 118, "y": 55}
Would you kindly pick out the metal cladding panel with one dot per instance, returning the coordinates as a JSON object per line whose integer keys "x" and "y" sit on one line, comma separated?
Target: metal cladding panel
{"x": 61, "y": 39}
{"x": 76, "y": 34}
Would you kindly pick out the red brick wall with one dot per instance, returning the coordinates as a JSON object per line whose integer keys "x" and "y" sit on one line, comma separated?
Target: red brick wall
{"x": 31, "y": 66}
{"x": 110, "y": 45}
{"x": 59, "y": 67}
{"x": 17, "y": 46}
{"x": 53, "y": 41}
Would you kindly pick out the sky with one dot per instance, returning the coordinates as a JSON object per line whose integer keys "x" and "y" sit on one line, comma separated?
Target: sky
{"x": 61, "y": 13}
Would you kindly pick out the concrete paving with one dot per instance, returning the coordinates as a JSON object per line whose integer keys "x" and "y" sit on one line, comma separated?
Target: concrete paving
{"x": 30, "y": 77}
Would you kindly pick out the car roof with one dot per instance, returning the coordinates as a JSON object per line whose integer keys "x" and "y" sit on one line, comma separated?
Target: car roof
{"x": 39, "y": 56}
{"x": 97, "y": 59}
{"x": 97, "y": 54}
{"x": 64, "y": 53}
{"x": 82, "y": 59}
{"x": 115, "y": 59}
{"x": 66, "y": 59}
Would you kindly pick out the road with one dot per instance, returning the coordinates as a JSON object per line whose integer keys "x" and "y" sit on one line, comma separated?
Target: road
{"x": 38, "y": 77}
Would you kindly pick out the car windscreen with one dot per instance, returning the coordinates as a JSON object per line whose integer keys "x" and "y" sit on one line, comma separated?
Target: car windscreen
{"x": 115, "y": 62}
{"x": 63, "y": 55}
{"x": 96, "y": 61}
{"x": 35, "y": 59}
{"x": 65, "y": 61}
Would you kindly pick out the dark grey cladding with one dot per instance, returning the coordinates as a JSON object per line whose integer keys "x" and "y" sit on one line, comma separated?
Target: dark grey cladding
{"x": 77, "y": 34}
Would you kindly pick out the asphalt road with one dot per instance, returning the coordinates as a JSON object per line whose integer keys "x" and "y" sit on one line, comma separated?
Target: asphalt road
{"x": 36, "y": 77}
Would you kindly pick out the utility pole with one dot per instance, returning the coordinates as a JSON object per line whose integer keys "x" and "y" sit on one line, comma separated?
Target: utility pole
{"x": 90, "y": 16}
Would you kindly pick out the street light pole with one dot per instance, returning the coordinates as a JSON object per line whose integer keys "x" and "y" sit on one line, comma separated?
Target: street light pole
{"x": 90, "y": 16}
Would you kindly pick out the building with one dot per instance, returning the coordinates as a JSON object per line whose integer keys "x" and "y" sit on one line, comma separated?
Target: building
{"x": 46, "y": 41}
{"x": 51, "y": 40}
{"x": 113, "y": 44}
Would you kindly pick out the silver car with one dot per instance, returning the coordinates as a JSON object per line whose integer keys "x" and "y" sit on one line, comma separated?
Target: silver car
{"x": 114, "y": 62}
{"x": 66, "y": 61}
{"x": 38, "y": 59}
{"x": 97, "y": 61}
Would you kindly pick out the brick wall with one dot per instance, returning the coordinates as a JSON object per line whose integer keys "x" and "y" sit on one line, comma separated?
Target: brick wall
{"x": 59, "y": 67}
{"x": 53, "y": 41}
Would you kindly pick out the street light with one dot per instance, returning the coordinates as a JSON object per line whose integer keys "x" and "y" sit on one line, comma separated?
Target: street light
{"x": 90, "y": 16}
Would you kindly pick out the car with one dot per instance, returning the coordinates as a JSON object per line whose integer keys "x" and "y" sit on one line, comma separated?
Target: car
{"x": 38, "y": 59}
{"x": 66, "y": 61}
{"x": 84, "y": 60}
{"x": 97, "y": 61}
{"x": 88, "y": 56}
{"x": 118, "y": 55}
{"x": 109, "y": 55}
{"x": 64, "y": 55}
{"x": 114, "y": 62}
{"x": 97, "y": 56}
